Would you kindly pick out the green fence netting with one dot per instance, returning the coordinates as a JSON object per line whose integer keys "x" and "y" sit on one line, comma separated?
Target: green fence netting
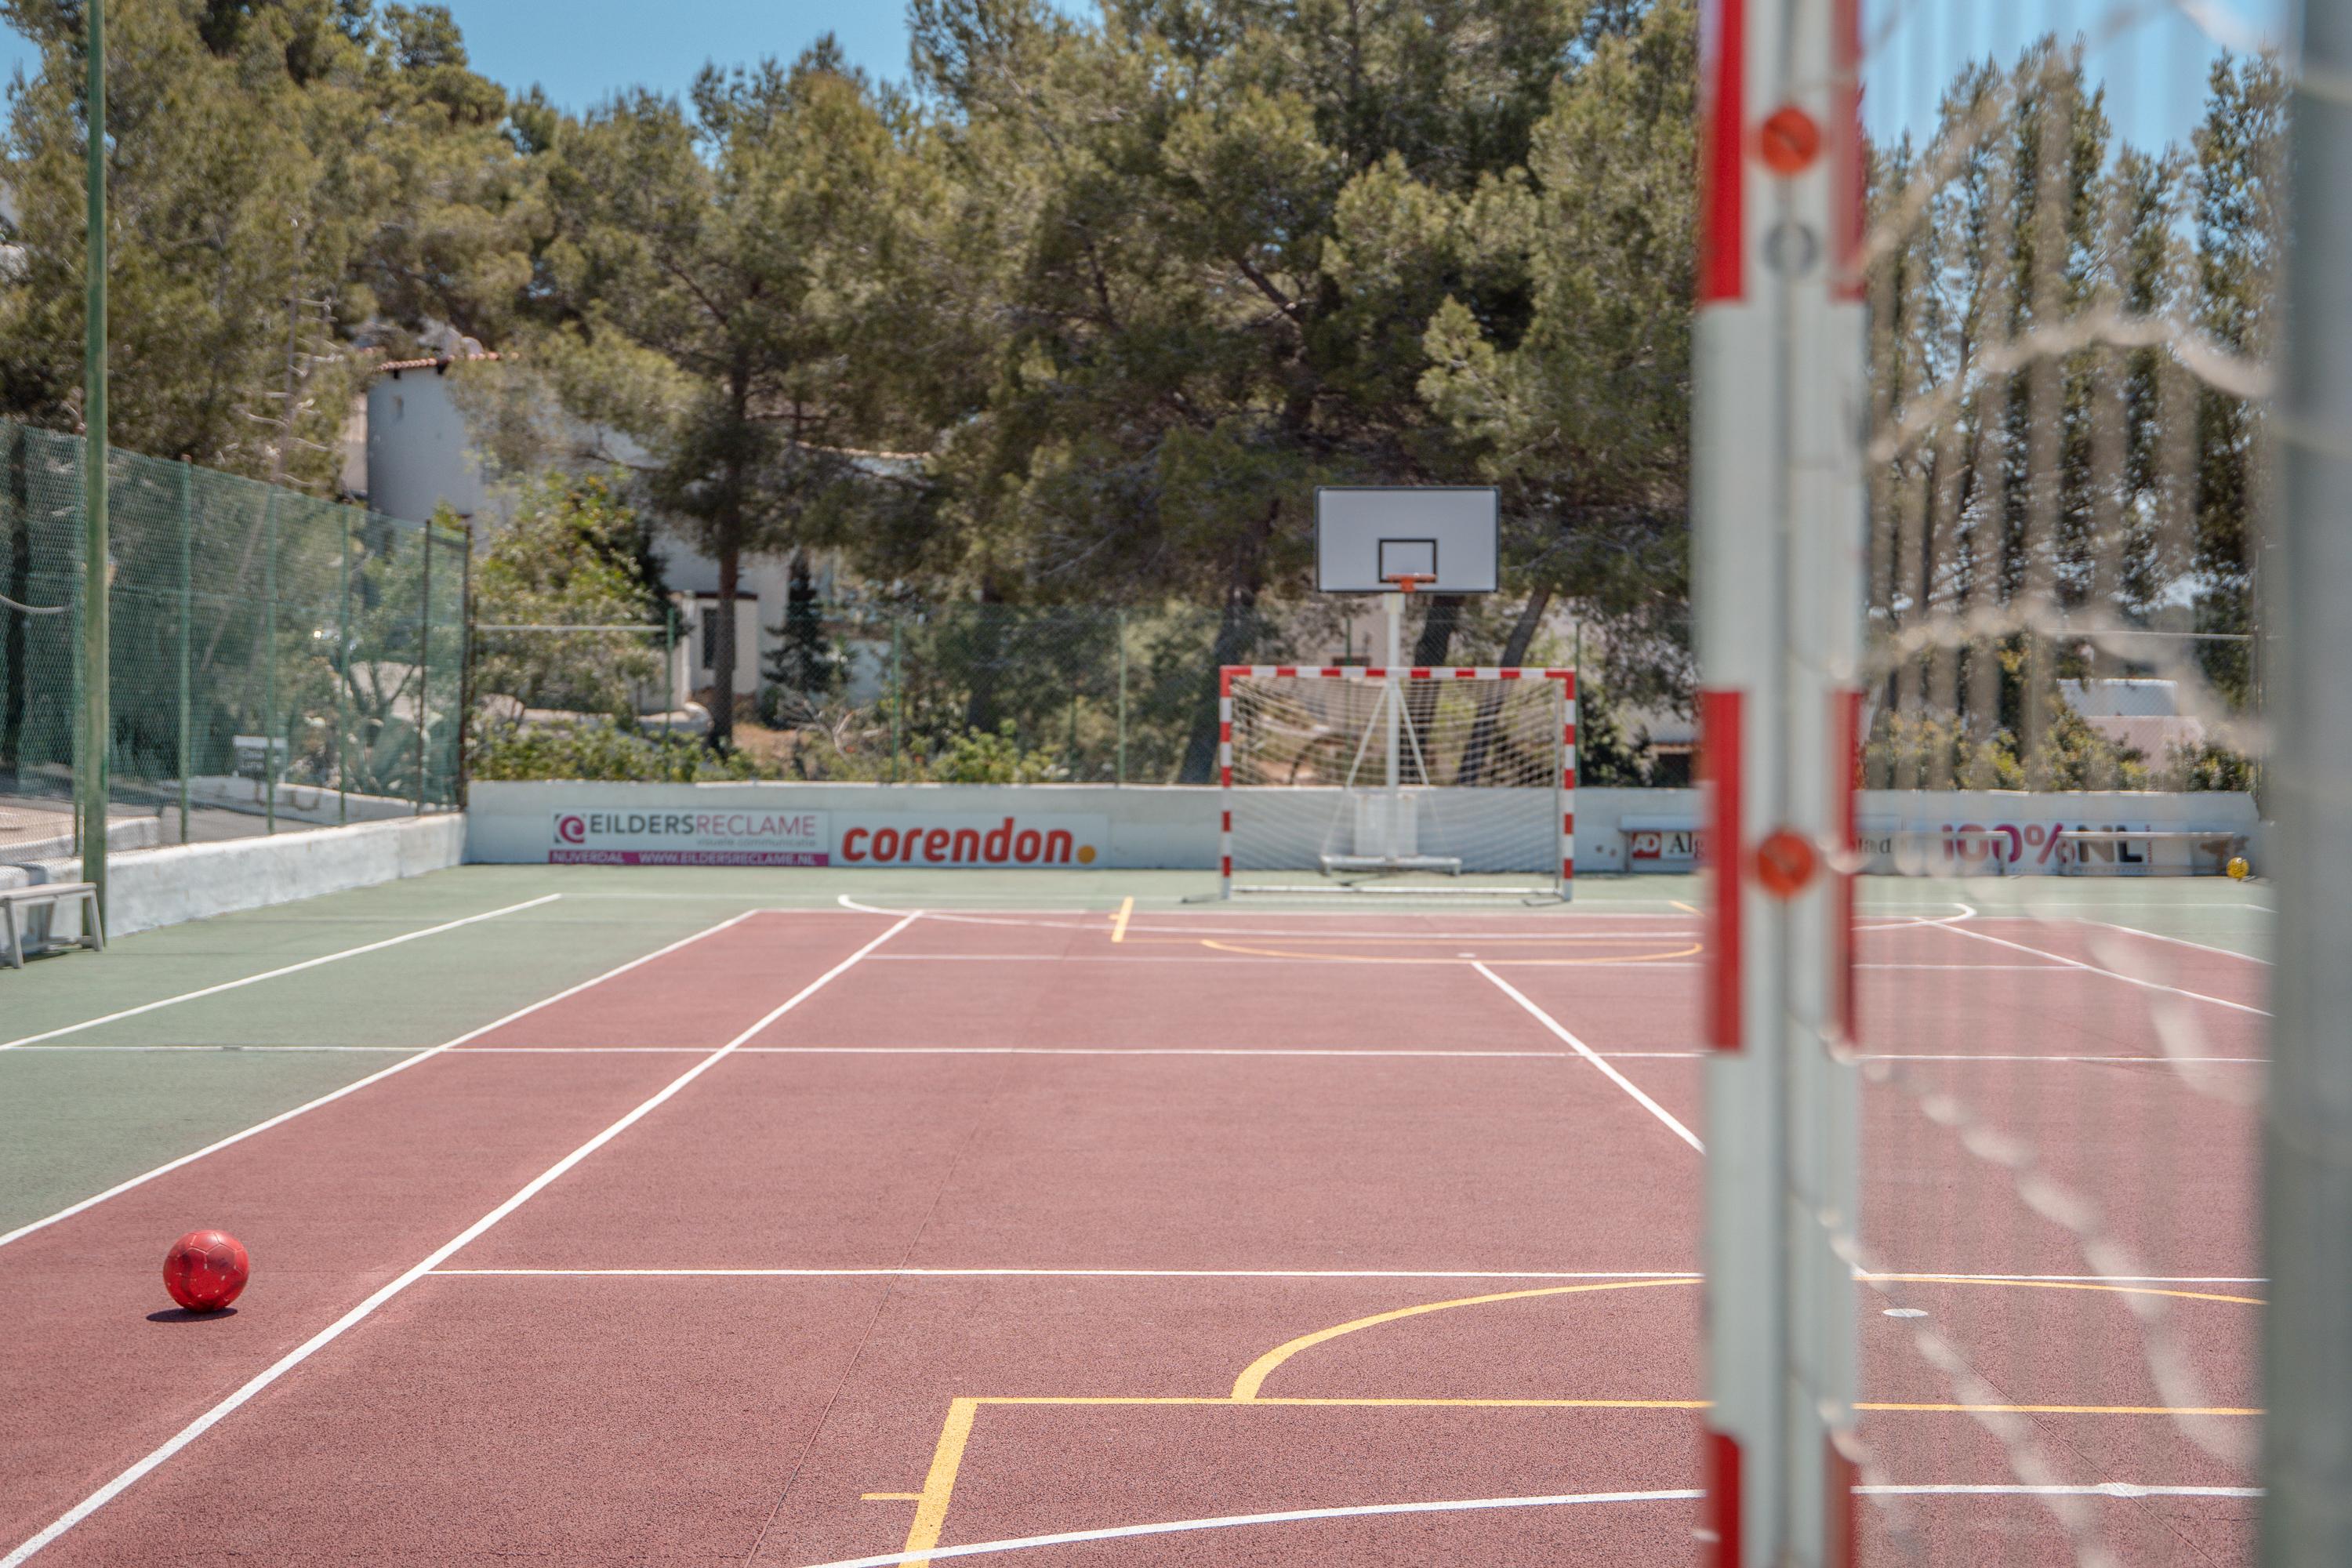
{"x": 275, "y": 656}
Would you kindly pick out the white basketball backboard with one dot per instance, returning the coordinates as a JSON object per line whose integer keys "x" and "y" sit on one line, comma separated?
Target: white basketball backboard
{"x": 1366, "y": 537}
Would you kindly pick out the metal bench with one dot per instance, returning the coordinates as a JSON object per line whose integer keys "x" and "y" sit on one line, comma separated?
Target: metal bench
{"x": 15, "y": 903}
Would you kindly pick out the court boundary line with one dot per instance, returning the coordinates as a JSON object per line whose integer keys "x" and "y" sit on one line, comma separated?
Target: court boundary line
{"x": 422, "y": 1053}
{"x": 1959, "y": 928}
{"x": 269, "y": 1375}
{"x": 1411, "y": 1053}
{"x": 274, "y": 973}
{"x": 1588, "y": 1054}
{"x": 916, "y": 1271}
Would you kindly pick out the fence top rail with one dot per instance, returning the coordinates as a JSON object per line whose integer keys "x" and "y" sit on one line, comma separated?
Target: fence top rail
{"x": 1381, "y": 672}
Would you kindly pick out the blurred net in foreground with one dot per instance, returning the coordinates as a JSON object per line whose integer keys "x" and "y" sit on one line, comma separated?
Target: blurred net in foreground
{"x": 277, "y": 659}
{"x": 2073, "y": 230}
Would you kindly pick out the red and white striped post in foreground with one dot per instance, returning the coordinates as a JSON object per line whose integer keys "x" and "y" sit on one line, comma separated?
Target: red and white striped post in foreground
{"x": 1777, "y": 504}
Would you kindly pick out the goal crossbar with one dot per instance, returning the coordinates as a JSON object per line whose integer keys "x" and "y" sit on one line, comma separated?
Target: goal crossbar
{"x": 1389, "y": 812}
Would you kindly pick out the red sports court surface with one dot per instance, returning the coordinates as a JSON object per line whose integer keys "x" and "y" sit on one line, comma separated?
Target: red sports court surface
{"x": 1198, "y": 1237}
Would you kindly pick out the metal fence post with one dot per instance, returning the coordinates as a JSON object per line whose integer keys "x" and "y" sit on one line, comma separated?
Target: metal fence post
{"x": 270, "y": 658}
{"x": 1120, "y": 778}
{"x": 91, "y": 787}
{"x": 898, "y": 694}
{"x": 343, "y": 684}
{"x": 465, "y": 673}
{"x": 423, "y": 666}
{"x": 187, "y": 614}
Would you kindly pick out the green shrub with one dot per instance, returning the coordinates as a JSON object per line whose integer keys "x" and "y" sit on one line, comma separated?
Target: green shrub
{"x": 605, "y": 754}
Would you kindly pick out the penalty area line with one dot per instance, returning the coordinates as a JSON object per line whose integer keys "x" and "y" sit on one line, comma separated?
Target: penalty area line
{"x": 438, "y": 1255}
{"x": 168, "y": 1166}
{"x": 274, "y": 973}
{"x": 1595, "y": 1057}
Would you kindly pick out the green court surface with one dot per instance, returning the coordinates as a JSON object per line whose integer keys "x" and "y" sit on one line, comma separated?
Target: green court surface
{"x": 112, "y": 1064}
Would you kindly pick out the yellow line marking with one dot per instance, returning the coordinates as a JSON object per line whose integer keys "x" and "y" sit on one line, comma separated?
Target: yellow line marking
{"x": 1692, "y": 907}
{"x": 2071, "y": 1285}
{"x": 1118, "y": 921}
{"x": 1691, "y": 951}
{"x": 890, "y": 1496}
{"x": 955, "y": 1433}
{"x": 938, "y": 1486}
{"x": 1254, "y": 1376}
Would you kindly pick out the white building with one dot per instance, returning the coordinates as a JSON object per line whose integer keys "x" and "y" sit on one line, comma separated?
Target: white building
{"x": 420, "y": 455}
{"x": 2136, "y": 711}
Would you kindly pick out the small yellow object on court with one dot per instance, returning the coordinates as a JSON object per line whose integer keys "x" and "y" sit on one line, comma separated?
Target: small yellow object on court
{"x": 2238, "y": 868}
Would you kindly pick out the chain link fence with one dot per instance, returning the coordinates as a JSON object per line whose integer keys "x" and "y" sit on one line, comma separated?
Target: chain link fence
{"x": 1083, "y": 694}
{"x": 278, "y": 659}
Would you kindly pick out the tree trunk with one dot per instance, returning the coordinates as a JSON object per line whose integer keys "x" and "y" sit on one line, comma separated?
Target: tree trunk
{"x": 722, "y": 656}
{"x": 1237, "y": 631}
{"x": 1481, "y": 746}
{"x": 981, "y": 644}
{"x": 1433, "y": 647}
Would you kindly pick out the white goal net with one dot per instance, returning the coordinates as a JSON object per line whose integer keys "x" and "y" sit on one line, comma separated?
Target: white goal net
{"x": 1342, "y": 779}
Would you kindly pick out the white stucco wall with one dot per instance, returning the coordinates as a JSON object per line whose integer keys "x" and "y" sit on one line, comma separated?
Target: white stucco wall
{"x": 164, "y": 886}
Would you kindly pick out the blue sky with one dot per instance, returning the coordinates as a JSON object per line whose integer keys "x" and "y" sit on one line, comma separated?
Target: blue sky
{"x": 582, "y": 50}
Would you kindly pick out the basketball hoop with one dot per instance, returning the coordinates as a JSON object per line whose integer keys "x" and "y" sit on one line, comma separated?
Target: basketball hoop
{"x": 1406, "y": 582}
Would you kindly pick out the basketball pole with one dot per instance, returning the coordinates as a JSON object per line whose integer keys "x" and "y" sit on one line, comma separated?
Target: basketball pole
{"x": 97, "y": 723}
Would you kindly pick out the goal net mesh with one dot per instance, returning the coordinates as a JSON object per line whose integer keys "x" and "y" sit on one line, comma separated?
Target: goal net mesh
{"x": 1403, "y": 779}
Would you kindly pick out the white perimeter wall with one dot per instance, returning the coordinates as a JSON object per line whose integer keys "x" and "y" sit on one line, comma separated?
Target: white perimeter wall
{"x": 164, "y": 886}
{"x": 1149, "y": 826}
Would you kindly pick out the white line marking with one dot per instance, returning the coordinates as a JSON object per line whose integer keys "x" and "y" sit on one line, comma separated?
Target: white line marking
{"x": 1237, "y": 1520}
{"x": 2027, "y": 1057}
{"x": 274, "y": 973}
{"x": 1465, "y": 1505}
{"x": 917, "y": 1273}
{"x": 1595, "y": 1057}
{"x": 913, "y": 1273}
{"x": 2176, "y": 941}
{"x": 1410, "y": 1053}
{"x": 353, "y": 1086}
{"x": 2097, "y": 1489}
{"x": 328, "y": 1335}
{"x": 2099, "y": 968}
{"x": 1099, "y": 920}
{"x": 1072, "y": 1051}
{"x": 134, "y": 1050}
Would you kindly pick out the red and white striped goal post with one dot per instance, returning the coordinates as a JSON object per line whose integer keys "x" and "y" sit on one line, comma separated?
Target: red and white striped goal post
{"x": 1228, "y": 674}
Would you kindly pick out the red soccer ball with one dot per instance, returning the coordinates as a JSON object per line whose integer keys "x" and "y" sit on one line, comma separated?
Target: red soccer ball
{"x": 206, "y": 1269}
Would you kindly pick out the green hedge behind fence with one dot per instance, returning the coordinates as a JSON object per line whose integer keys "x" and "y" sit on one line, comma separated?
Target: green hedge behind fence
{"x": 257, "y": 632}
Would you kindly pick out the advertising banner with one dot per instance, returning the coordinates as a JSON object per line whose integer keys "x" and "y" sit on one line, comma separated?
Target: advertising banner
{"x": 993, "y": 838}
{"x": 655, "y": 836}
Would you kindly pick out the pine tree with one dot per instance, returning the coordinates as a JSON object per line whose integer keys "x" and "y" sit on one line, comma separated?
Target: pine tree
{"x": 804, "y": 668}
